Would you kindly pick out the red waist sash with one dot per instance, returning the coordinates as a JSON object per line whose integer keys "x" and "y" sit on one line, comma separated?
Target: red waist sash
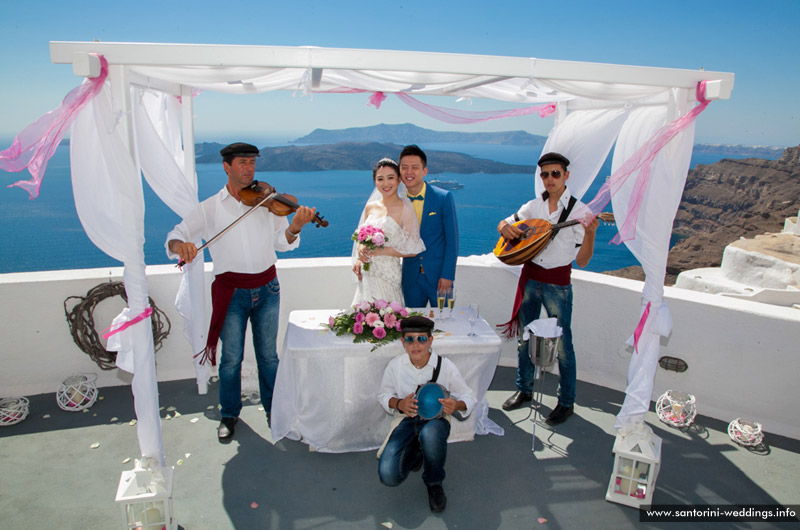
{"x": 531, "y": 271}
{"x": 222, "y": 290}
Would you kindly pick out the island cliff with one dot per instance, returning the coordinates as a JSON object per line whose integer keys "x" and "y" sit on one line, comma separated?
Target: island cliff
{"x": 725, "y": 201}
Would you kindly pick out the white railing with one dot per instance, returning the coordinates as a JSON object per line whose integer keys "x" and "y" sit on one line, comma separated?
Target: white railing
{"x": 742, "y": 355}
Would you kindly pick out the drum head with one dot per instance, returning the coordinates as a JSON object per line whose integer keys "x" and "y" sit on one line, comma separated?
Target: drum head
{"x": 428, "y": 396}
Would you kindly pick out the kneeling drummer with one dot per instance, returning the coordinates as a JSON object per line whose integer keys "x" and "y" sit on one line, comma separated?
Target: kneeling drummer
{"x": 419, "y": 443}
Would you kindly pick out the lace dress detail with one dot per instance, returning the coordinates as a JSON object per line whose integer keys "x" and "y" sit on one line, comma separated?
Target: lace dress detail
{"x": 383, "y": 279}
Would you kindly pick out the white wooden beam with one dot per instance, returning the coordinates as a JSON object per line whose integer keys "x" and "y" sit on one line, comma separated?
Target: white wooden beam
{"x": 152, "y": 54}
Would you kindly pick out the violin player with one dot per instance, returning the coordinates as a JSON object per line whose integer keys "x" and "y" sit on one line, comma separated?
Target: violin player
{"x": 245, "y": 286}
{"x": 546, "y": 280}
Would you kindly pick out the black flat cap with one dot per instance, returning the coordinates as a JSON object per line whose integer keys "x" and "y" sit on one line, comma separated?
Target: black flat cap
{"x": 416, "y": 324}
{"x": 553, "y": 158}
{"x": 239, "y": 149}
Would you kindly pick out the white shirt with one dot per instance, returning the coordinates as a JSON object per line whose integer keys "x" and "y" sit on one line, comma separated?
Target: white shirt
{"x": 249, "y": 247}
{"x": 562, "y": 249}
{"x": 402, "y": 378}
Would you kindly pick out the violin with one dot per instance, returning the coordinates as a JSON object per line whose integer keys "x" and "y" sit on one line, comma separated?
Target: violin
{"x": 536, "y": 234}
{"x": 281, "y": 204}
{"x": 262, "y": 194}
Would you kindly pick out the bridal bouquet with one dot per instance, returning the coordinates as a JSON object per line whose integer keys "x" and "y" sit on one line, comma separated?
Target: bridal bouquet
{"x": 370, "y": 236}
{"x": 377, "y": 322}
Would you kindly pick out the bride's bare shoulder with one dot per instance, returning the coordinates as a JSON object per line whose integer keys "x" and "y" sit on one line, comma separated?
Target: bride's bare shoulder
{"x": 375, "y": 207}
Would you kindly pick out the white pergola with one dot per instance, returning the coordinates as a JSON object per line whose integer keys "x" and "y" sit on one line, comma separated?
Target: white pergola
{"x": 136, "y": 124}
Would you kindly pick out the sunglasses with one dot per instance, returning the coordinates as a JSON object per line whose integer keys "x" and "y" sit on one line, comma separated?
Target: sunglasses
{"x": 420, "y": 338}
{"x": 555, "y": 174}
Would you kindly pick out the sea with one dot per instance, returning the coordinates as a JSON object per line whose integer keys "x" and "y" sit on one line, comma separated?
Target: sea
{"x": 45, "y": 233}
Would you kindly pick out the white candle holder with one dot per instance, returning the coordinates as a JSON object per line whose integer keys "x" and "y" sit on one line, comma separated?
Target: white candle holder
{"x": 676, "y": 409}
{"x": 13, "y": 410}
{"x": 145, "y": 496}
{"x": 746, "y": 432}
{"x": 637, "y": 461}
{"x": 77, "y": 392}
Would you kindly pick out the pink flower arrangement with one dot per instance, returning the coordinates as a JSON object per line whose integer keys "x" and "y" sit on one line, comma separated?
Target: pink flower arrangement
{"x": 370, "y": 236}
{"x": 377, "y": 322}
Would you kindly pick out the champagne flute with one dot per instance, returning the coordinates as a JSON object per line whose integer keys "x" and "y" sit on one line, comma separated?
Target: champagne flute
{"x": 473, "y": 314}
{"x": 451, "y": 302}
{"x": 441, "y": 297}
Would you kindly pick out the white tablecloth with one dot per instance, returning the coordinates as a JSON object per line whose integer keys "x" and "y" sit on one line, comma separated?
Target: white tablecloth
{"x": 327, "y": 386}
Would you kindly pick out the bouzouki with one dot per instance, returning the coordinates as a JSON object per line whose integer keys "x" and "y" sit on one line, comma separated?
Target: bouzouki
{"x": 536, "y": 234}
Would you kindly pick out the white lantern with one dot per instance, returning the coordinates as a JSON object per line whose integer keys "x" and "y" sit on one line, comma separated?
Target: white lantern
{"x": 77, "y": 392}
{"x": 676, "y": 409}
{"x": 145, "y": 495}
{"x": 637, "y": 460}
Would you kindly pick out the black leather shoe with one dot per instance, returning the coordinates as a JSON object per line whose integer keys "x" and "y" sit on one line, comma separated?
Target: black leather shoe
{"x": 559, "y": 415}
{"x": 517, "y": 400}
{"x": 225, "y": 429}
{"x": 436, "y": 498}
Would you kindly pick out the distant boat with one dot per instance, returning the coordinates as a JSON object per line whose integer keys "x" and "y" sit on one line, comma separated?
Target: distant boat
{"x": 446, "y": 184}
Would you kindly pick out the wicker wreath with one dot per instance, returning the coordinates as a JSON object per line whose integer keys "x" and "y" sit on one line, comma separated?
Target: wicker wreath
{"x": 81, "y": 322}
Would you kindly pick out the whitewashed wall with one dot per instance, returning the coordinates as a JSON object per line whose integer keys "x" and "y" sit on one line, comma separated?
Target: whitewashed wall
{"x": 742, "y": 355}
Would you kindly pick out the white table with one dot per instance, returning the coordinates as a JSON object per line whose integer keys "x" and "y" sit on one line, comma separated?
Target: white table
{"x": 327, "y": 386}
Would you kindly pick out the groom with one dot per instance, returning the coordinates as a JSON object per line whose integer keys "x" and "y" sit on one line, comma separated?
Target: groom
{"x": 435, "y": 268}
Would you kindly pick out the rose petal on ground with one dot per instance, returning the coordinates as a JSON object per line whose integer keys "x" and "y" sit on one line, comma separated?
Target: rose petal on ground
{"x": 542, "y": 520}
{"x": 194, "y": 420}
{"x": 94, "y": 445}
{"x": 132, "y": 422}
{"x": 254, "y": 505}
{"x": 387, "y": 524}
{"x": 126, "y": 460}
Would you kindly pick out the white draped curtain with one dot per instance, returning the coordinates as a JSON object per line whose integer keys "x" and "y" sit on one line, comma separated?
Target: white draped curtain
{"x": 157, "y": 139}
{"x": 110, "y": 205}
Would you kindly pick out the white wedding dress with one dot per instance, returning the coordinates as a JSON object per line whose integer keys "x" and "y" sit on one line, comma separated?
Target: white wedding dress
{"x": 383, "y": 279}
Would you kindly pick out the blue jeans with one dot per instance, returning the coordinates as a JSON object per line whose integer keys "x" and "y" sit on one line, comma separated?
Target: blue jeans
{"x": 414, "y": 439}
{"x": 557, "y": 301}
{"x": 262, "y": 307}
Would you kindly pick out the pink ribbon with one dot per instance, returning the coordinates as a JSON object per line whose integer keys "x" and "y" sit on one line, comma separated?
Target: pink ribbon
{"x": 376, "y": 99}
{"x": 641, "y": 162}
{"x": 459, "y": 116}
{"x": 640, "y": 328}
{"x": 144, "y": 314}
{"x": 36, "y": 144}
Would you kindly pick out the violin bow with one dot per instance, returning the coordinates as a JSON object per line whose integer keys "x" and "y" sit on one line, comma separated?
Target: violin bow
{"x": 236, "y": 222}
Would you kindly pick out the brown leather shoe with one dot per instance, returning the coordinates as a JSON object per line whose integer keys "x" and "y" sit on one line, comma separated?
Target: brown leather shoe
{"x": 517, "y": 400}
{"x": 559, "y": 415}
{"x": 225, "y": 429}
{"x": 437, "y": 500}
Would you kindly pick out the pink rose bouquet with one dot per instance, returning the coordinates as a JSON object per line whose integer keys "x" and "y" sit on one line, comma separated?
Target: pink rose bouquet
{"x": 370, "y": 236}
{"x": 377, "y": 322}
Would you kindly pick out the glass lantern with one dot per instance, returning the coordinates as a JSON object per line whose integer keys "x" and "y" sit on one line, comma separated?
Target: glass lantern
{"x": 145, "y": 496}
{"x": 637, "y": 460}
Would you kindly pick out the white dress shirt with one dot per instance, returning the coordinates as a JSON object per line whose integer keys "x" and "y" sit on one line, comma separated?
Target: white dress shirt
{"x": 402, "y": 378}
{"x": 562, "y": 249}
{"x": 249, "y": 247}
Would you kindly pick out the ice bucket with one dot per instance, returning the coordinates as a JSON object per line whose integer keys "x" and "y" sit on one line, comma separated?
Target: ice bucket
{"x": 543, "y": 350}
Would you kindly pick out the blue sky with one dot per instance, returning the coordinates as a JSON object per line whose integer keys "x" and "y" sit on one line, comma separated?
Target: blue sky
{"x": 758, "y": 41}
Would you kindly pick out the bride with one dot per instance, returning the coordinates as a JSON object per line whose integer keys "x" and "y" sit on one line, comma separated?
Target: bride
{"x": 389, "y": 209}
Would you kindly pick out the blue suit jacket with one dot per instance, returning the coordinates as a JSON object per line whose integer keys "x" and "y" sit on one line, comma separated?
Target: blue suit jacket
{"x": 439, "y": 232}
